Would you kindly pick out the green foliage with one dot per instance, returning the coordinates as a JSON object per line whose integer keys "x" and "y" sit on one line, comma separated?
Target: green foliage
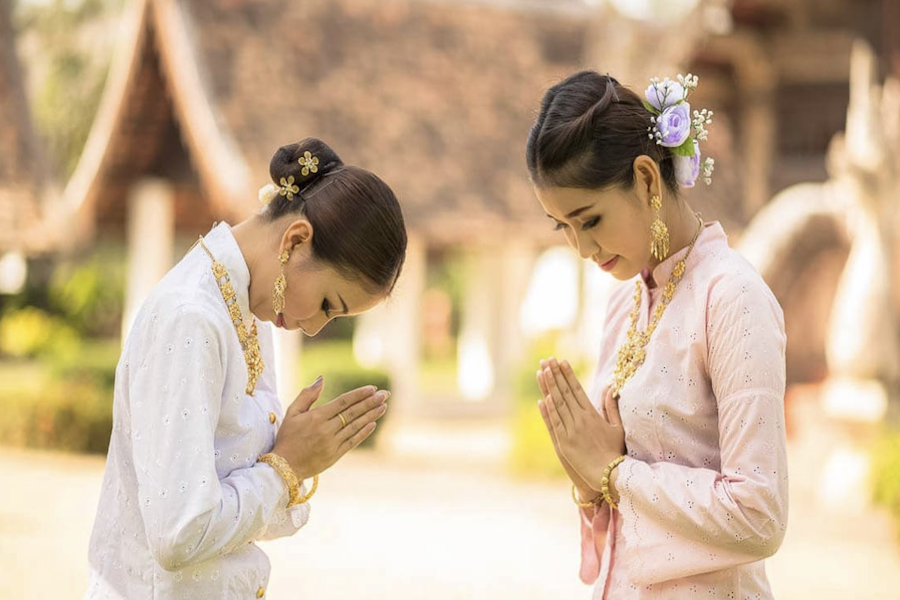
{"x": 90, "y": 295}
{"x": 30, "y": 332}
{"x": 334, "y": 360}
{"x": 886, "y": 472}
{"x": 447, "y": 272}
{"x": 63, "y": 402}
{"x": 685, "y": 149}
{"x": 532, "y": 450}
{"x": 650, "y": 107}
{"x": 71, "y": 61}
{"x": 64, "y": 416}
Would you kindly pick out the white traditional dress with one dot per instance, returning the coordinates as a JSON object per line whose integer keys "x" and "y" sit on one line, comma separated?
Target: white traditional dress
{"x": 184, "y": 499}
{"x": 703, "y": 492}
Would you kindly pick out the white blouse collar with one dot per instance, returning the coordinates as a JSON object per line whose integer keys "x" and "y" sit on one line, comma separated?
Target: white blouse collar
{"x": 221, "y": 243}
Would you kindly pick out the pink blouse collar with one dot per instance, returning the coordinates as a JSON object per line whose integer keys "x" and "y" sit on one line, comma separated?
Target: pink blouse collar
{"x": 710, "y": 237}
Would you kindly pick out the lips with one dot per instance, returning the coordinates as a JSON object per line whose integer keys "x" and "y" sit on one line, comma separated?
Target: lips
{"x": 279, "y": 320}
{"x": 610, "y": 264}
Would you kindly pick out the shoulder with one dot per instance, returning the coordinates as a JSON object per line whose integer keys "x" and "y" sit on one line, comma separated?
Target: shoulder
{"x": 736, "y": 290}
{"x": 186, "y": 300}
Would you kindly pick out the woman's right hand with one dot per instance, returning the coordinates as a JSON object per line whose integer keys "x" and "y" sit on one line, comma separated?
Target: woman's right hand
{"x": 585, "y": 492}
{"x": 313, "y": 439}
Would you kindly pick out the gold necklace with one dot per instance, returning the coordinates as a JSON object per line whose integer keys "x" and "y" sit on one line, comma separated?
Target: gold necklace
{"x": 633, "y": 353}
{"x": 249, "y": 341}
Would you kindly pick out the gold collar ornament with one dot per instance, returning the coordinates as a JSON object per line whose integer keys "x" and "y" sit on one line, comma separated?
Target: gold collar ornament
{"x": 633, "y": 352}
{"x": 248, "y": 339}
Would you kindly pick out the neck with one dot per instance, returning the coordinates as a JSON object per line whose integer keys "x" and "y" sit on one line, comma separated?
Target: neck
{"x": 683, "y": 224}
{"x": 260, "y": 250}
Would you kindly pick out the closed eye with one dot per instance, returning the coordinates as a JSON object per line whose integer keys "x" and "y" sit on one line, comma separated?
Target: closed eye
{"x": 590, "y": 224}
{"x": 326, "y": 307}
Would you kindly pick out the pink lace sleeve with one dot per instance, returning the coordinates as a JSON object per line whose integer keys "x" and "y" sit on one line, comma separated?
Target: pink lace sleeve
{"x": 679, "y": 520}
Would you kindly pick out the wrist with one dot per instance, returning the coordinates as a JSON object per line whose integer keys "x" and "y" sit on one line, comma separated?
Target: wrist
{"x": 297, "y": 469}
{"x": 280, "y": 465}
{"x": 595, "y": 478}
{"x": 608, "y": 482}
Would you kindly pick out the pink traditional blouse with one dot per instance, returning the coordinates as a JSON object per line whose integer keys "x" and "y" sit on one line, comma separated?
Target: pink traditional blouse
{"x": 703, "y": 492}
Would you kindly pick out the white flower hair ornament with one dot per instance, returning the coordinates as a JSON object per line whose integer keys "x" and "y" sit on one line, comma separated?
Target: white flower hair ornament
{"x": 267, "y": 193}
{"x": 673, "y": 126}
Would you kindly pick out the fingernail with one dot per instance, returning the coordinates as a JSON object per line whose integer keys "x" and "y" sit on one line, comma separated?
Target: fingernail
{"x": 318, "y": 381}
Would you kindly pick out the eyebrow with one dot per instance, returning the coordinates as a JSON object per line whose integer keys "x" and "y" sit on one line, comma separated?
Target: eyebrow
{"x": 574, "y": 213}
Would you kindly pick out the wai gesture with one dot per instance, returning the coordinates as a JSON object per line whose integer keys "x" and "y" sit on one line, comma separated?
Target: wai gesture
{"x": 584, "y": 439}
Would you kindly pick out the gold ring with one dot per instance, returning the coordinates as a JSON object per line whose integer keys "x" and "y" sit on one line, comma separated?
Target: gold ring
{"x": 343, "y": 420}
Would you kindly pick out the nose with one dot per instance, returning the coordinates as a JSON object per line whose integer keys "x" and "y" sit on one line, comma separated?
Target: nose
{"x": 585, "y": 245}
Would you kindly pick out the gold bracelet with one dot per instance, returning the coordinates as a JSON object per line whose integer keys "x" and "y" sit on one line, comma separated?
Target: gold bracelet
{"x": 287, "y": 474}
{"x": 311, "y": 492}
{"x": 581, "y": 504}
{"x": 604, "y": 482}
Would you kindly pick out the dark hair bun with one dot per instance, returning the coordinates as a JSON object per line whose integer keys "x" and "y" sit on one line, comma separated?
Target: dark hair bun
{"x": 285, "y": 162}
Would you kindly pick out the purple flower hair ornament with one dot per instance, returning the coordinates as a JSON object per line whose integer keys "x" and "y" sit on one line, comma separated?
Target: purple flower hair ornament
{"x": 673, "y": 126}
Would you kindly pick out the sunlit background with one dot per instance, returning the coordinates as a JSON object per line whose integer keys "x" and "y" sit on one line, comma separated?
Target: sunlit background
{"x": 128, "y": 127}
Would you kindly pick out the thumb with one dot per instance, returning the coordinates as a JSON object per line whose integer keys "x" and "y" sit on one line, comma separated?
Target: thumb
{"x": 611, "y": 404}
{"x": 308, "y": 396}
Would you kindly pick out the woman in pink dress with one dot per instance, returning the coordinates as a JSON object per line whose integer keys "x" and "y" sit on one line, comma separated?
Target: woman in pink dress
{"x": 677, "y": 457}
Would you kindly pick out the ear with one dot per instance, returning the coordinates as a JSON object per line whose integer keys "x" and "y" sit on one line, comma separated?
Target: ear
{"x": 297, "y": 233}
{"x": 647, "y": 178}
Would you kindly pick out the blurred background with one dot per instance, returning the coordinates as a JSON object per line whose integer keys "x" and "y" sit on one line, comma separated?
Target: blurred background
{"x": 128, "y": 127}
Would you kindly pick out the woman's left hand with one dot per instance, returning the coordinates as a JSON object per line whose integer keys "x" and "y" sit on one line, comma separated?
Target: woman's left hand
{"x": 587, "y": 439}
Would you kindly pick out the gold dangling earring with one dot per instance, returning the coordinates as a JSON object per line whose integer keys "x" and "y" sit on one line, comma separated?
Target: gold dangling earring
{"x": 659, "y": 233}
{"x": 280, "y": 285}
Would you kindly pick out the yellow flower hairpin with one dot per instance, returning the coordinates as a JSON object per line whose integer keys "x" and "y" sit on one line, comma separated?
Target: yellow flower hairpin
{"x": 288, "y": 188}
{"x": 309, "y": 163}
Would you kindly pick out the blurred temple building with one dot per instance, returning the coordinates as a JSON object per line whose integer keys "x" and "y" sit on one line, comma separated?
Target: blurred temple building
{"x": 437, "y": 97}
{"x": 21, "y": 170}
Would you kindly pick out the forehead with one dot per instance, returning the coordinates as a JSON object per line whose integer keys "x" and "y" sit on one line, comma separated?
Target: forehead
{"x": 560, "y": 201}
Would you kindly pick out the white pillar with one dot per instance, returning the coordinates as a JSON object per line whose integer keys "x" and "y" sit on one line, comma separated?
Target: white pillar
{"x": 478, "y": 332}
{"x": 490, "y": 342}
{"x": 517, "y": 261}
{"x": 151, "y": 229}
{"x": 389, "y": 335}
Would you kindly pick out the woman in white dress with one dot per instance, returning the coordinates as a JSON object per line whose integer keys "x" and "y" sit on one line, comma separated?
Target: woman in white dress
{"x": 202, "y": 461}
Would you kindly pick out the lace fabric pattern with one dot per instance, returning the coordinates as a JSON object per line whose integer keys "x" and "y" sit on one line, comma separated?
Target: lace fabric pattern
{"x": 703, "y": 492}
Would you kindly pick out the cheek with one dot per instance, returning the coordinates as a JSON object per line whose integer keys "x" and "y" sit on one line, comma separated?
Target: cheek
{"x": 301, "y": 306}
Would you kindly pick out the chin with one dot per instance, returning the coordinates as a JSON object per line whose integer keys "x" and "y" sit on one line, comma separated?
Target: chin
{"x": 624, "y": 273}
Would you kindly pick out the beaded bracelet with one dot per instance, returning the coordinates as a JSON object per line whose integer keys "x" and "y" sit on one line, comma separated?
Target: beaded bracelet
{"x": 604, "y": 482}
{"x": 286, "y": 473}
